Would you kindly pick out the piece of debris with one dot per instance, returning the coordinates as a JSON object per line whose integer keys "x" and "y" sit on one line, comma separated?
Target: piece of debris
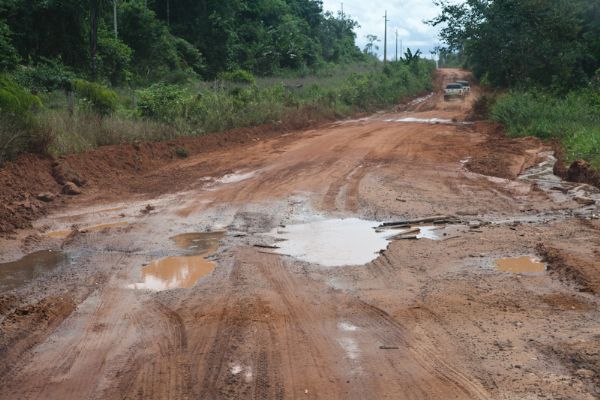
{"x": 389, "y": 347}
{"x": 437, "y": 219}
{"x": 266, "y": 246}
{"x": 71, "y": 189}
{"x": 46, "y": 197}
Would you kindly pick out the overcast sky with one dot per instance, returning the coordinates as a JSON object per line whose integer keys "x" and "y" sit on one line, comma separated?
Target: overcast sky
{"x": 405, "y": 15}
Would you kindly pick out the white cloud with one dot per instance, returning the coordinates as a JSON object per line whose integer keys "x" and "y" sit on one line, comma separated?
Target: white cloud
{"x": 405, "y": 15}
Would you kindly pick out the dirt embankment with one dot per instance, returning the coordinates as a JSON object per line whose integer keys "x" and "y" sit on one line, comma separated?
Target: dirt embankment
{"x": 33, "y": 184}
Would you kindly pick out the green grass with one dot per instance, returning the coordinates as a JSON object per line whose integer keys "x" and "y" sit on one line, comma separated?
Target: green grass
{"x": 166, "y": 111}
{"x": 573, "y": 119}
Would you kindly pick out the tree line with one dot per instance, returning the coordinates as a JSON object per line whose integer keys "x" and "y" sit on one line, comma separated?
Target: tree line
{"x": 524, "y": 43}
{"x": 143, "y": 40}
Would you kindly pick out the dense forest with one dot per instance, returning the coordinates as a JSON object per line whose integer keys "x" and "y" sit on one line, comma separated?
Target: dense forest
{"x": 75, "y": 75}
{"x": 142, "y": 40}
{"x": 543, "y": 59}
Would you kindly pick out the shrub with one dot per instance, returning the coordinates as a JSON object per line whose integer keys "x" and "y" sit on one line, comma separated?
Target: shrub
{"x": 9, "y": 56}
{"x": 238, "y": 76}
{"x": 18, "y": 130}
{"x": 162, "y": 102}
{"x": 114, "y": 59}
{"x": 15, "y": 101}
{"x": 45, "y": 76}
{"x": 100, "y": 99}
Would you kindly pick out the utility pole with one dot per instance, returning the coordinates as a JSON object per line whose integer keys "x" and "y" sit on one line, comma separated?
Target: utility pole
{"x": 342, "y": 11}
{"x": 385, "y": 40}
{"x": 401, "y": 47}
{"x": 396, "y": 45}
{"x": 115, "y": 19}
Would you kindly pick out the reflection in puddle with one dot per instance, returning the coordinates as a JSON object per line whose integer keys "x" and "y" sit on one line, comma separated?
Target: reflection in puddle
{"x": 17, "y": 273}
{"x": 428, "y": 232}
{"x": 199, "y": 242}
{"x": 333, "y": 242}
{"x": 182, "y": 271}
{"x": 174, "y": 272}
{"x": 520, "y": 265}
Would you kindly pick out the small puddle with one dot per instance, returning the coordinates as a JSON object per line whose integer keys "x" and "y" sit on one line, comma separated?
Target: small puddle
{"x": 520, "y": 265}
{"x": 199, "y": 242}
{"x": 333, "y": 242}
{"x": 235, "y": 177}
{"x": 182, "y": 271}
{"x": 17, "y": 273}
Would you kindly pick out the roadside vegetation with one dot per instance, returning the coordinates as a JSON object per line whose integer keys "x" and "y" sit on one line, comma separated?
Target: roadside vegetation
{"x": 146, "y": 70}
{"x": 542, "y": 58}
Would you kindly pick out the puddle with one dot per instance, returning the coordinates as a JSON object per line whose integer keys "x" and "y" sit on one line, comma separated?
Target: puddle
{"x": 235, "y": 177}
{"x": 200, "y": 242}
{"x": 333, "y": 242}
{"x": 182, "y": 271}
{"x": 347, "y": 327}
{"x": 520, "y": 265}
{"x": 433, "y": 121}
{"x": 17, "y": 273}
{"x": 174, "y": 272}
{"x": 428, "y": 232}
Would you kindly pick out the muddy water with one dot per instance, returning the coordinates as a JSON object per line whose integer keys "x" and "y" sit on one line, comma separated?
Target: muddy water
{"x": 520, "y": 265}
{"x": 17, "y": 273}
{"x": 333, "y": 242}
{"x": 182, "y": 271}
{"x": 199, "y": 242}
{"x": 174, "y": 272}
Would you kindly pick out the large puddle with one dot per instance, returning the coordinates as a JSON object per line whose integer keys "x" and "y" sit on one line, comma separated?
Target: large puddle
{"x": 182, "y": 271}
{"x": 17, "y": 273}
{"x": 333, "y": 242}
{"x": 520, "y": 265}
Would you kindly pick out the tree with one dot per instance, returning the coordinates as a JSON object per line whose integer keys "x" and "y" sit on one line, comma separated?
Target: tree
{"x": 522, "y": 42}
{"x": 9, "y": 58}
{"x": 371, "y": 47}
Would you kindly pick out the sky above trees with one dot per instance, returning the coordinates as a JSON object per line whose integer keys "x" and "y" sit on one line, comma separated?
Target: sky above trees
{"x": 405, "y": 15}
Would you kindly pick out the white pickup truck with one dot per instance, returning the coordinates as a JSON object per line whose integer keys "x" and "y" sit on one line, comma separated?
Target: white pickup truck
{"x": 454, "y": 90}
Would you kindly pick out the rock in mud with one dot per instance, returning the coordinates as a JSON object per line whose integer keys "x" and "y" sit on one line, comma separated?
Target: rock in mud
{"x": 582, "y": 171}
{"x": 71, "y": 189}
{"x": 46, "y": 197}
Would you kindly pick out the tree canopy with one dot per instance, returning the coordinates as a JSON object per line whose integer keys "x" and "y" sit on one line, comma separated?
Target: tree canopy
{"x": 552, "y": 43}
{"x": 155, "y": 37}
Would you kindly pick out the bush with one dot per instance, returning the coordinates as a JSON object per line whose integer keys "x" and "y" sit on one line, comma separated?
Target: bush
{"x": 573, "y": 119}
{"x": 114, "y": 58}
{"x": 18, "y": 130}
{"x": 162, "y": 102}
{"x": 238, "y": 76}
{"x": 15, "y": 101}
{"x": 190, "y": 56}
{"x": 45, "y": 76}
{"x": 99, "y": 99}
{"x": 9, "y": 58}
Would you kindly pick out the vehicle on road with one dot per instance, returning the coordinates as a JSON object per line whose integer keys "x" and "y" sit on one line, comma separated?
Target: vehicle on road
{"x": 454, "y": 90}
{"x": 466, "y": 86}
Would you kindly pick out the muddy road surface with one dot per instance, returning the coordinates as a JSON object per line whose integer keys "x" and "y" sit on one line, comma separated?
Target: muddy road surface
{"x": 263, "y": 271}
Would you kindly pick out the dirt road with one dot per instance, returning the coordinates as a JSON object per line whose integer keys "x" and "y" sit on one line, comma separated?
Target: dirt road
{"x": 428, "y": 318}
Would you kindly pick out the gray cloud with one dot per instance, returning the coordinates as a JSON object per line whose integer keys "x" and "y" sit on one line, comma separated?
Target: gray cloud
{"x": 406, "y": 16}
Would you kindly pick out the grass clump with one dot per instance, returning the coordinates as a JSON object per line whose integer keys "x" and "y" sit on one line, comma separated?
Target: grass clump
{"x": 573, "y": 119}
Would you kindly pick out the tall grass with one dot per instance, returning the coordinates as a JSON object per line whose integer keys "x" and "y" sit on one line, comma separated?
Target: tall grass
{"x": 164, "y": 111}
{"x": 573, "y": 119}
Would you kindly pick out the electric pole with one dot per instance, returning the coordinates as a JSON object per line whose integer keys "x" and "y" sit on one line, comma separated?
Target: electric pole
{"x": 342, "y": 11}
{"x": 385, "y": 40}
{"x": 396, "y": 45}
